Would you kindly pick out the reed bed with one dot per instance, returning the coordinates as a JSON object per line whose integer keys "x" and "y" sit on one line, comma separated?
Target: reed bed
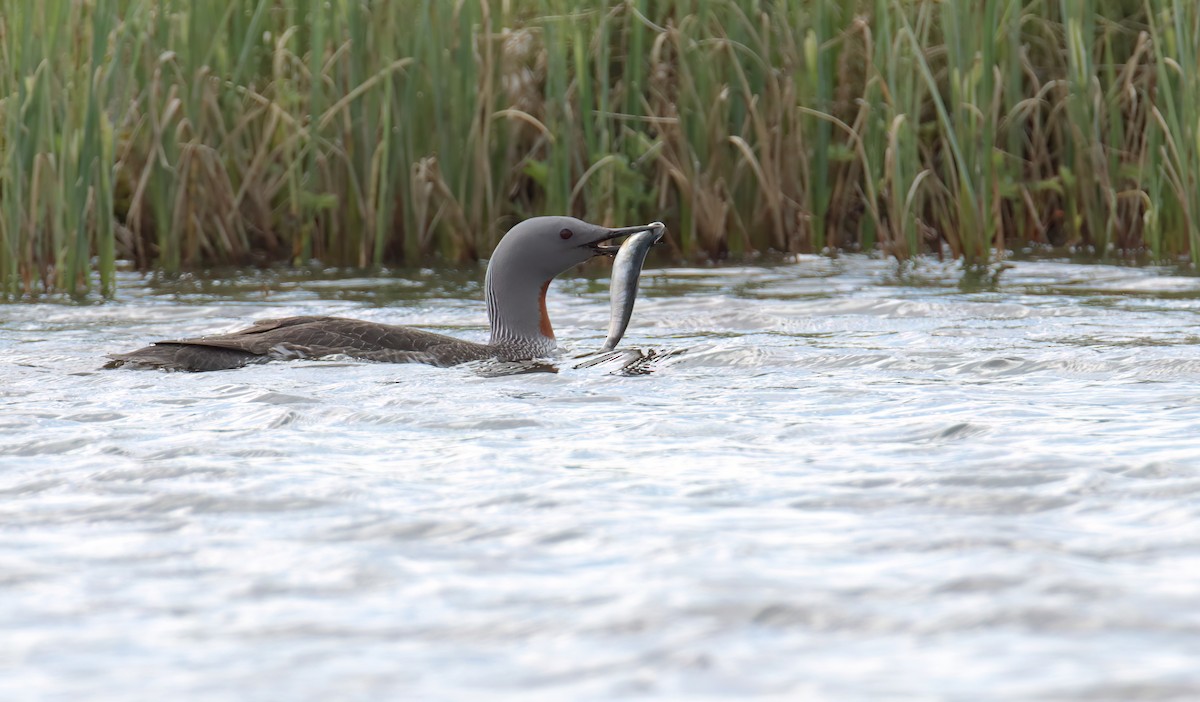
{"x": 182, "y": 134}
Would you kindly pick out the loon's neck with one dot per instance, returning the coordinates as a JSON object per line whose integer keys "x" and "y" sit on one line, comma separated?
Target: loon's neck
{"x": 517, "y": 313}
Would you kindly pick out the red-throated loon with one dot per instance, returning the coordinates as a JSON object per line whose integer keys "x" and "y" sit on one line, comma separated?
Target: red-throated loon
{"x": 529, "y": 256}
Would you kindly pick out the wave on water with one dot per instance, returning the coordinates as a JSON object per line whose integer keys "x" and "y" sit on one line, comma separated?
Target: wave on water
{"x": 822, "y": 479}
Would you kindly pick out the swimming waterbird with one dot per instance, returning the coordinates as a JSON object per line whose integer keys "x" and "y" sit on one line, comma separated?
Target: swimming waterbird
{"x": 527, "y": 258}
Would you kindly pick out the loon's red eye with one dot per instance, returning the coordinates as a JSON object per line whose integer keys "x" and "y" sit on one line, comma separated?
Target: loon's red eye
{"x": 566, "y": 233}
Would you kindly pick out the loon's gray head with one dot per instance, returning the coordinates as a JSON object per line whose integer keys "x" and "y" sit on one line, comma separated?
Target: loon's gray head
{"x": 529, "y": 256}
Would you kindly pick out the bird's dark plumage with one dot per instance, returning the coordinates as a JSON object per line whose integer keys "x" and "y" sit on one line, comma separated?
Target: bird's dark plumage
{"x": 305, "y": 337}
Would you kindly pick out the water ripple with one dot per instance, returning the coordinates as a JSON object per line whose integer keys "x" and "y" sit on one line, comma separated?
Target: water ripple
{"x": 822, "y": 479}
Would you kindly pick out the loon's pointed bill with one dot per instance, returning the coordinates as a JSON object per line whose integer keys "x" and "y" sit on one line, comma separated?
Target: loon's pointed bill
{"x": 627, "y": 269}
{"x": 600, "y": 248}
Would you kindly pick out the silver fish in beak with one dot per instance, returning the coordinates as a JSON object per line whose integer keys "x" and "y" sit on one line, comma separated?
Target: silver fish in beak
{"x": 627, "y": 269}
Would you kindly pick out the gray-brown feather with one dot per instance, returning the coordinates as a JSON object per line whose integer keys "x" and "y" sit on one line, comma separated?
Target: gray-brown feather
{"x": 305, "y": 337}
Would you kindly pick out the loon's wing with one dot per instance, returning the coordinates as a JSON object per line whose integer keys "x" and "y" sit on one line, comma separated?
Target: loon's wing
{"x": 303, "y": 337}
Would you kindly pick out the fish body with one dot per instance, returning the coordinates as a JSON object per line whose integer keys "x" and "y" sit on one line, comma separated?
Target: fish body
{"x": 627, "y": 269}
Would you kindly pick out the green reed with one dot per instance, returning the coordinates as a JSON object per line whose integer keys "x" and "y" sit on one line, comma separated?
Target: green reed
{"x": 178, "y": 134}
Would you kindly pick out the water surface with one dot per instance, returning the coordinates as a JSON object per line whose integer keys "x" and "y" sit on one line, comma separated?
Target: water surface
{"x": 837, "y": 480}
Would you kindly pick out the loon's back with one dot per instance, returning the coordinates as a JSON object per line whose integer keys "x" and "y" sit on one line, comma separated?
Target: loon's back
{"x": 304, "y": 337}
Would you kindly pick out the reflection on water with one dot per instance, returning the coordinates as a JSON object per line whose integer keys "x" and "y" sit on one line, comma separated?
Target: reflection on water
{"x": 827, "y": 479}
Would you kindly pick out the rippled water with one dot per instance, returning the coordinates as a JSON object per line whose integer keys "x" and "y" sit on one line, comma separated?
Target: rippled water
{"x": 851, "y": 482}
